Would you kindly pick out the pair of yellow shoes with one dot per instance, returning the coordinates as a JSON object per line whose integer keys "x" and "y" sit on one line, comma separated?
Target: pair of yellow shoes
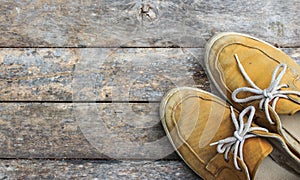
{"x": 235, "y": 140}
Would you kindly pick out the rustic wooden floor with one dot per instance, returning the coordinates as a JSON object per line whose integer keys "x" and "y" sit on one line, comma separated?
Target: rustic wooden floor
{"x": 81, "y": 81}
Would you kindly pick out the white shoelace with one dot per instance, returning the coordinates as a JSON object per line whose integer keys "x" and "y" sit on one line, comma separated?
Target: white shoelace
{"x": 272, "y": 93}
{"x": 242, "y": 132}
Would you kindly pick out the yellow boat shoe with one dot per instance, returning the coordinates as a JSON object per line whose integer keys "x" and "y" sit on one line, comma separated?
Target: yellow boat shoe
{"x": 250, "y": 72}
{"x": 215, "y": 140}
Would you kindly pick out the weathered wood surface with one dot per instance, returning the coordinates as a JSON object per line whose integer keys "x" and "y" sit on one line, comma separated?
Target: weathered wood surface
{"x": 144, "y": 23}
{"x": 89, "y": 169}
{"x": 32, "y": 79}
{"x": 83, "y": 130}
{"x": 36, "y": 74}
{"x": 97, "y": 74}
{"x": 92, "y": 130}
{"x": 101, "y": 74}
{"x": 46, "y": 169}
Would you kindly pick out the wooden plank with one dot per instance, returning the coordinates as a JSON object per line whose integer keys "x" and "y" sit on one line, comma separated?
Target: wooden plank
{"x": 101, "y": 74}
{"x": 83, "y": 130}
{"x": 144, "y": 23}
{"x": 36, "y": 74}
{"x": 46, "y": 169}
{"x": 41, "y": 131}
{"x": 88, "y": 169}
{"x": 97, "y": 74}
{"x": 141, "y": 74}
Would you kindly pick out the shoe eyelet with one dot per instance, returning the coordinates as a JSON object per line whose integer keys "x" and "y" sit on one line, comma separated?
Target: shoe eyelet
{"x": 261, "y": 109}
{"x": 287, "y": 86}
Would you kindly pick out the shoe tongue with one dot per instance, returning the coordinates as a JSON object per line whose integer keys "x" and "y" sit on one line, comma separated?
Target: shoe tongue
{"x": 255, "y": 150}
{"x": 288, "y": 106}
{"x": 291, "y": 105}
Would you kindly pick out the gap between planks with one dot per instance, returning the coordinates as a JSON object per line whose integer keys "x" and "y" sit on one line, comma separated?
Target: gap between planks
{"x": 83, "y": 102}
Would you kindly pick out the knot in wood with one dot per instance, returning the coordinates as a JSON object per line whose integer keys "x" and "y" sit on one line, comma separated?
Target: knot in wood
{"x": 148, "y": 12}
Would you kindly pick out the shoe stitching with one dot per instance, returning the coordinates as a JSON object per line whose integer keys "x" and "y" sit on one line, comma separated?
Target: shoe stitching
{"x": 179, "y": 133}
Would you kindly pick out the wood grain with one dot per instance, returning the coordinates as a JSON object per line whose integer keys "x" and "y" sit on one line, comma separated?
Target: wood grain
{"x": 49, "y": 169}
{"x": 36, "y": 74}
{"x": 101, "y": 74}
{"x": 97, "y": 74}
{"x": 41, "y": 131}
{"x": 144, "y": 23}
{"x": 83, "y": 131}
{"x": 54, "y": 92}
